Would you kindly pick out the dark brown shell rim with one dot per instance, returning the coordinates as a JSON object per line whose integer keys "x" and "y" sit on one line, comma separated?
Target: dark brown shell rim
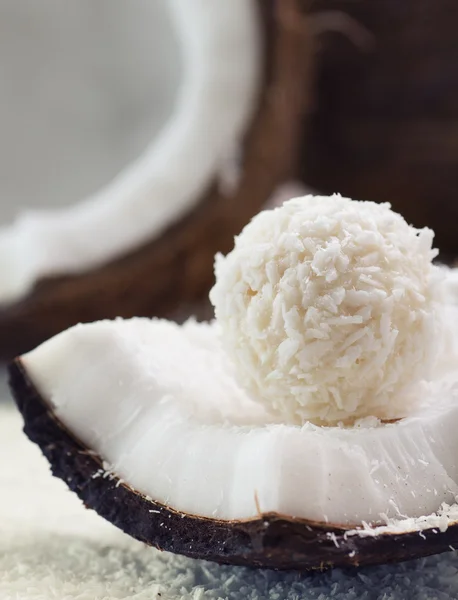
{"x": 270, "y": 540}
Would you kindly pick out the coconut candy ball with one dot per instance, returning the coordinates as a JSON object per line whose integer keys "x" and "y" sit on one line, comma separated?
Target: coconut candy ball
{"x": 329, "y": 309}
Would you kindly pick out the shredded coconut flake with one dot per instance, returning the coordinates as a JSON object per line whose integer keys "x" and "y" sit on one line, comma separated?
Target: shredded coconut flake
{"x": 441, "y": 520}
{"x": 328, "y": 307}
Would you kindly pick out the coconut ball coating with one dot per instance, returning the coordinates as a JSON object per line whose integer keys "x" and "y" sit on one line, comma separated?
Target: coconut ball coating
{"x": 329, "y": 309}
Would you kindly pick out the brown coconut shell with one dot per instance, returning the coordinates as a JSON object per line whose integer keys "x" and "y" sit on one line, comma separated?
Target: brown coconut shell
{"x": 172, "y": 275}
{"x": 384, "y": 126}
{"x": 269, "y": 540}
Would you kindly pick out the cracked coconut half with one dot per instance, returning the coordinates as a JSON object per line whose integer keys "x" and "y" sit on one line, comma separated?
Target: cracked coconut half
{"x": 313, "y": 424}
{"x": 229, "y": 142}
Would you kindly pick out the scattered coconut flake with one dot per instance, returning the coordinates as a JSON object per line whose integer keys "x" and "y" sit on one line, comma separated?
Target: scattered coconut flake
{"x": 442, "y": 519}
{"x": 332, "y": 536}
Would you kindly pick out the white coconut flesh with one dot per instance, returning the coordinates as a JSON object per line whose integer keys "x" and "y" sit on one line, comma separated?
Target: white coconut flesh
{"x": 220, "y": 48}
{"x": 159, "y": 404}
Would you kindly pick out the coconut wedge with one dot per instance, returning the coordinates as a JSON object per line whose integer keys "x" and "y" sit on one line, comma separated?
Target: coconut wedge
{"x": 144, "y": 421}
{"x": 145, "y": 244}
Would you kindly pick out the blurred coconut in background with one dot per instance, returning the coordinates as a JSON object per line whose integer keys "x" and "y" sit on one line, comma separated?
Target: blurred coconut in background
{"x": 207, "y": 95}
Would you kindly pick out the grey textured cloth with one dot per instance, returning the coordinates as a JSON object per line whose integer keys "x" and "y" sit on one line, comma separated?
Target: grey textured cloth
{"x": 51, "y": 548}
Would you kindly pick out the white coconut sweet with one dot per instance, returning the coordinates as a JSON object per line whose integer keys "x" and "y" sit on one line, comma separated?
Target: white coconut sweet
{"x": 329, "y": 310}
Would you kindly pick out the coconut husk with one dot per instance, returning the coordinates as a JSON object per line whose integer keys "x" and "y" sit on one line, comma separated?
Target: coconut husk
{"x": 384, "y": 122}
{"x": 173, "y": 274}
